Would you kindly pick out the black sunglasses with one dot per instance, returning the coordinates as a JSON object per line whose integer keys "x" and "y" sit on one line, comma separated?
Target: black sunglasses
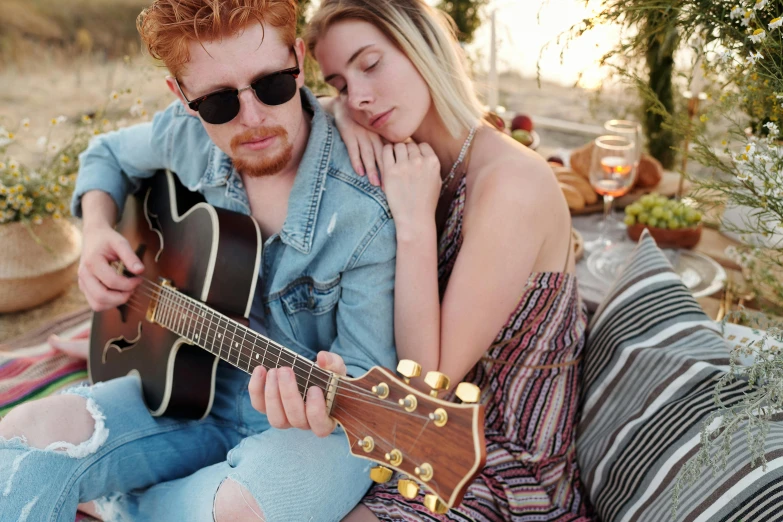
{"x": 222, "y": 106}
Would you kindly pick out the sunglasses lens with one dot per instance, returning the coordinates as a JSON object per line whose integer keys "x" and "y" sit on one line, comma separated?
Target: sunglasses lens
{"x": 276, "y": 89}
{"x": 221, "y": 107}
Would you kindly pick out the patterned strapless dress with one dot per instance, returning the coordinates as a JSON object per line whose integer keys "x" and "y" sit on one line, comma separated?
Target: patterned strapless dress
{"x": 529, "y": 379}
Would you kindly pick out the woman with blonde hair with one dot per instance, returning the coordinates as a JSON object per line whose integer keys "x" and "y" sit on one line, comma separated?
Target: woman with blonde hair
{"x": 485, "y": 287}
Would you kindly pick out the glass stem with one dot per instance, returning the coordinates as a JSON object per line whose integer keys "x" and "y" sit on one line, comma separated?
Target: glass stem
{"x": 608, "y": 200}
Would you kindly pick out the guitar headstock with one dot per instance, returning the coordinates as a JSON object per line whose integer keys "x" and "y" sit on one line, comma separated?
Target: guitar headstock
{"x": 438, "y": 444}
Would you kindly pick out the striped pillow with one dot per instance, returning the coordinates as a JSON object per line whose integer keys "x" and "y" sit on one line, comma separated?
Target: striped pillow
{"x": 651, "y": 363}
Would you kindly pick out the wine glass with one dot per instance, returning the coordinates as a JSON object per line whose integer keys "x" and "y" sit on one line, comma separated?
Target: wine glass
{"x": 627, "y": 129}
{"x": 612, "y": 173}
{"x": 633, "y": 131}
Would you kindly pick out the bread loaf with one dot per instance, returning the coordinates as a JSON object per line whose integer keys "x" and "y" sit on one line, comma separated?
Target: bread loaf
{"x": 581, "y": 158}
{"x": 573, "y": 197}
{"x": 580, "y": 184}
{"x": 650, "y": 172}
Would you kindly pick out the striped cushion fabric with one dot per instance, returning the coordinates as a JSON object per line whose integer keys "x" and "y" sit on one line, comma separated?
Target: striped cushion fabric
{"x": 652, "y": 360}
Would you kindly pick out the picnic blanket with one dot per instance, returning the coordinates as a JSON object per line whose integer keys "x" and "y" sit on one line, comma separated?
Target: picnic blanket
{"x": 30, "y": 368}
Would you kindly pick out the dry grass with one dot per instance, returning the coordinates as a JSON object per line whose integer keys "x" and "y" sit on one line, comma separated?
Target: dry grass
{"x": 73, "y": 90}
{"x": 33, "y": 32}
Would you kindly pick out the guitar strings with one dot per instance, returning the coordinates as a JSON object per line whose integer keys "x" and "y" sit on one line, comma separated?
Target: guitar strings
{"x": 173, "y": 296}
{"x": 286, "y": 356}
{"x": 340, "y": 386}
{"x": 177, "y": 298}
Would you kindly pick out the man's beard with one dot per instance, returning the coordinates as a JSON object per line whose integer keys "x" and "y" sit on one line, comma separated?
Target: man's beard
{"x": 268, "y": 162}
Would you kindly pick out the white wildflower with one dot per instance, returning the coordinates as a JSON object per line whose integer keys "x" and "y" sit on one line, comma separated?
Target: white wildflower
{"x": 763, "y": 159}
{"x": 758, "y": 35}
{"x": 41, "y": 143}
{"x": 754, "y": 57}
{"x": 772, "y": 128}
{"x": 749, "y": 15}
{"x": 760, "y": 4}
{"x": 25, "y": 123}
{"x": 775, "y": 23}
{"x": 737, "y": 12}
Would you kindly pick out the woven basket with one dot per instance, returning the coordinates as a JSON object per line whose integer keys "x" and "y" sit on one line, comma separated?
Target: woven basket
{"x": 33, "y": 272}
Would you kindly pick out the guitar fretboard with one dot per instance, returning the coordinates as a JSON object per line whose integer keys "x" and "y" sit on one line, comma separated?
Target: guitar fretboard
{"x": 233, "y": 342}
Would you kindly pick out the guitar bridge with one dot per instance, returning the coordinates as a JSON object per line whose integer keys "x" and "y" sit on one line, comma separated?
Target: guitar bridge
{"x": 154, "y": 300}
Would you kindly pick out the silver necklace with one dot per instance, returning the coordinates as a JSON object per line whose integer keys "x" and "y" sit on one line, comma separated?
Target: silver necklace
{"x": 460, "y": 158}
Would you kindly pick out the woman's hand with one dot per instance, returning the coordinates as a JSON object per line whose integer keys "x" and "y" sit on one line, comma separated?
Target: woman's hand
{"x": 412, "y": 183}
{"x": 364, "y": 147}
{"x": 276, "y": 394}
{"x": 76, "y": 346}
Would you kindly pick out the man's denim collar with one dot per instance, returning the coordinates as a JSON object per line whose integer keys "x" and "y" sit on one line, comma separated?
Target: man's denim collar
{"x": 305, "y": 197}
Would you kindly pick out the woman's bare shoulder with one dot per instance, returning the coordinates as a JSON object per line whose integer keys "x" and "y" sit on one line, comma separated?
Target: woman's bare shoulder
{"x": 502, "y": 168}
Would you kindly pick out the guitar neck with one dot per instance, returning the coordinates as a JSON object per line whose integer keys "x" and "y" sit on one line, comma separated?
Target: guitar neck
{"x": 231, "y": 341}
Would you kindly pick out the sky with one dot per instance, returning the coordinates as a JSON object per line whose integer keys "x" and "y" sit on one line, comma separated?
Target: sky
{"x": 524, "y": 27}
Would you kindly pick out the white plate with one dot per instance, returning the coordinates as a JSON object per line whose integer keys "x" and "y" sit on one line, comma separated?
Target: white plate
{"x": 702, "y": 275}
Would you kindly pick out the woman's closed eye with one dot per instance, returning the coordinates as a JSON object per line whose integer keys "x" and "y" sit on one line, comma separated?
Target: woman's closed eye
{"x": 344, "y": 89}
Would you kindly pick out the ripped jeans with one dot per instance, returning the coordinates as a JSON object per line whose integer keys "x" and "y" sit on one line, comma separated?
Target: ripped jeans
{"x": 143, "y": 468}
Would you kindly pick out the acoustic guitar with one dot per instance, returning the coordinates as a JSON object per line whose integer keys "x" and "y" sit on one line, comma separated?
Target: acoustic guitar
{"x": 201, "y": 267}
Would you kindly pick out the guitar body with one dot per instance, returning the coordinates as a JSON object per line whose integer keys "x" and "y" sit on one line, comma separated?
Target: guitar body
{"x": 209, "y": 254}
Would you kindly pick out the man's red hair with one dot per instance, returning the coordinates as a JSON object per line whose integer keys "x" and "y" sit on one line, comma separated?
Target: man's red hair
{"x": 168, "y": 27}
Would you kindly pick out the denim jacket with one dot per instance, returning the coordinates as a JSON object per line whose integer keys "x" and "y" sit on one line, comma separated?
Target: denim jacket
{"x": 327, "y": 279}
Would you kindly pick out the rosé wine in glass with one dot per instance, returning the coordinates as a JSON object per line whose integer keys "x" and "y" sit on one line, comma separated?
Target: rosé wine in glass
{"x": 612, "y": 174}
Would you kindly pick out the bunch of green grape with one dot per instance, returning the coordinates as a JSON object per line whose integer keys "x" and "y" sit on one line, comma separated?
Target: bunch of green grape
{"x": 659, "y": 211}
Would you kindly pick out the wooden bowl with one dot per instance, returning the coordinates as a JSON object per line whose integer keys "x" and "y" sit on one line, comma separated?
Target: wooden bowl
{"x": 666, "y": 238}
{"x": 578, "y": 244}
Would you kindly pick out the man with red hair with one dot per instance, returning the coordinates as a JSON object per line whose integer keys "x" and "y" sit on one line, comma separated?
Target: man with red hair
{"x": 249, "y": 137}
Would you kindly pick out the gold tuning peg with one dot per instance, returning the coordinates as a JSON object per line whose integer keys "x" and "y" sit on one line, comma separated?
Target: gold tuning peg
{"x": 380, "y": 474}
{"x": 408, "y": 488}
{"x": 433, "y": 503}
{"x": 408, "y": 369}
{"x": 468, "y": 392}
{"x": 437, "y": 381}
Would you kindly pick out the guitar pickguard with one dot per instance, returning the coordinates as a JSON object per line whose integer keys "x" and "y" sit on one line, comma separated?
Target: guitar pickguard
{"x": 121, "y": 344}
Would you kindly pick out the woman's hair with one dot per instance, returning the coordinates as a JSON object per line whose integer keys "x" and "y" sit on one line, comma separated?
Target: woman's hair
{"x": 168, "y": 27}
{"x": 426, "y": 36}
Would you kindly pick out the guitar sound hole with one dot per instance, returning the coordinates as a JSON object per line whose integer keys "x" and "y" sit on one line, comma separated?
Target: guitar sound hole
{"x": 121, "y": 344}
